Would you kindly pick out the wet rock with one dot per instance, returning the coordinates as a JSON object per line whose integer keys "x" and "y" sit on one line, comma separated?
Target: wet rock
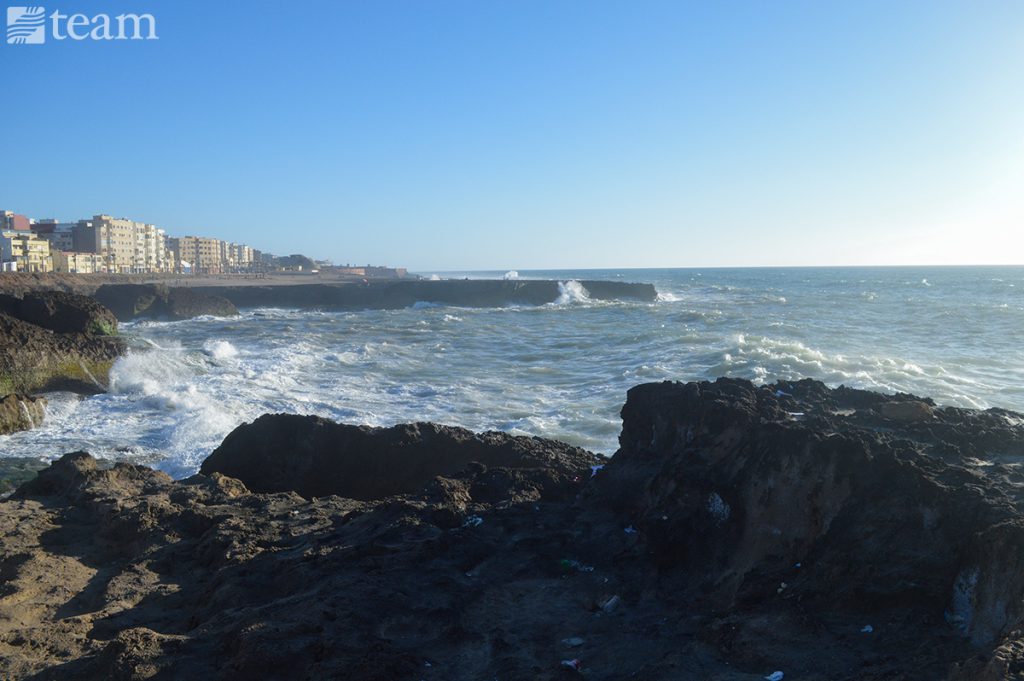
{"x": 21, "y": 412}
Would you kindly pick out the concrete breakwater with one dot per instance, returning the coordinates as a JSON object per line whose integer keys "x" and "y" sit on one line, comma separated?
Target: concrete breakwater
{"x": 399, "y": 294}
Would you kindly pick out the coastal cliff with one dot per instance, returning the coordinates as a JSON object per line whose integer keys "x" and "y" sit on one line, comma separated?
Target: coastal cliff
{"x": 739, "y": 530}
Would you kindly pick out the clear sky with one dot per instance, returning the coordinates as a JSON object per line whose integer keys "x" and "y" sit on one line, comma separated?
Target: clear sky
{"x": 517, "y": 134}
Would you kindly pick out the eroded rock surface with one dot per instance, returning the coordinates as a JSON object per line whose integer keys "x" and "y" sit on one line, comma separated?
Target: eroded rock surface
{"x": 739, "y": 530}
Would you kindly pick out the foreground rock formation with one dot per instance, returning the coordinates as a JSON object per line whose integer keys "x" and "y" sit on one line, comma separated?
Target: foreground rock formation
{"x": 53, "y": 340}
{"x": 739, "y": 530}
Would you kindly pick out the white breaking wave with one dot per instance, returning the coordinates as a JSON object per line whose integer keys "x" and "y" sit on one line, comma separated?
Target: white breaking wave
{"x": 571, "y": 292}
{"x": 220, "y": 349}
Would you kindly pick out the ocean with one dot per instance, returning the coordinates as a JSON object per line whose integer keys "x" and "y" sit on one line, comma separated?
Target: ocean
{"x": 561, "y": 370}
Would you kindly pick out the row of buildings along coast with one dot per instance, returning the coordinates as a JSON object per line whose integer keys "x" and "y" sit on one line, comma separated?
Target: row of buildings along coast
{"x": 105, "y": 244}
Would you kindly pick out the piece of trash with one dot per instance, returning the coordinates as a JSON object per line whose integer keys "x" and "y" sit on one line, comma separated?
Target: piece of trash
{"x": 573, "y": 642}
{"x": 575, "y": 565}
{"x": 779, "y": 393}
{"x": 473, "y": 521}
{"x": 782, "y": 587}
{"x": 595, "y": 469}
{"x": 867, "y": 629}
{"x": 572, "y": 664}
{"x": 427, "y": 664}
{"x": 774, "y": 676}
{"x": 630, "y": 530}
{"x": 798, "y": 565}
{"x": 611, "y": 604}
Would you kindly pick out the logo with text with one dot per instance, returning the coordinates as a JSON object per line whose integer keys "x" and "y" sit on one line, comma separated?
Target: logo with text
{"x": 31, "y": 25}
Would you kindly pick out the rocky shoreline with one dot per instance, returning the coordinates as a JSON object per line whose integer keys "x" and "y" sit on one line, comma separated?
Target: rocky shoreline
{"x": 739, "y": 531}
{"x": 60, "y": 332}
{"x": 54, "y": 340}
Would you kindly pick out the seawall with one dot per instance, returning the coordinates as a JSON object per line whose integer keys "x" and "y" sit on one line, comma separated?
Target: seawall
{"x": 401, "y": 294}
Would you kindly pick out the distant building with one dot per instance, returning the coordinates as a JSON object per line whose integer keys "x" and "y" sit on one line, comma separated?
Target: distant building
{"x": 125, "y": 245}
{"x": 61, "y": 235}
{"x": 204, "y": 255}
{"x": 25, "y": 251}
{"x": 77, "y": 263}
{"x": 12, "y": 221}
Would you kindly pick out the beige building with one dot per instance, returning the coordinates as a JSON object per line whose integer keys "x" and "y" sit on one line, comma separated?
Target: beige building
{"x": 125, "y": 245}
{"x": 25, "y": 252}
{"x": 77, "y": 263}
{"x": 204, "y": 255}
{"x": 201, "y": 254}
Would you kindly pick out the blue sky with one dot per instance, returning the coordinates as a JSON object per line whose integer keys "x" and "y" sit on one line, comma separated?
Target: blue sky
{"x": 525, "y": 134}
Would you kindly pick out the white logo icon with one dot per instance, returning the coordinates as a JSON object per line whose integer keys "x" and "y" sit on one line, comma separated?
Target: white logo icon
{"x": 26, "y": 25}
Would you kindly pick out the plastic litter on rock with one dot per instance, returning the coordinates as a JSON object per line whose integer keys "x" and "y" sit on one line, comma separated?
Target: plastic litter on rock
{"x": 572, "y": 664}
{"x": 630, "y": 530}
{"x": 774, "y": 676}
{"x": 867, "y": 629}
{"x": 610, "y": 604}
{"x": 573, "y": 642}
{"x": 473, "y": 521}
{"x": 595, "y": 469}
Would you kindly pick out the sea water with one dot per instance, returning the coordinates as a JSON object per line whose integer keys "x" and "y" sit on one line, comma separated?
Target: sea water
{"x": 560, "y": 370}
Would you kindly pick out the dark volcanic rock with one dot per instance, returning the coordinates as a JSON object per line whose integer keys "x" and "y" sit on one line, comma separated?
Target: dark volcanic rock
{"x": 316, "y": 457}
{"x": 841, "y": 503}
{"x": 62, "y": 312}
{"x": 132, "y": 301}
{"x": 738, "y": 531}
{"x": 34, "y": 359}
{"x": 20, "y": 412}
